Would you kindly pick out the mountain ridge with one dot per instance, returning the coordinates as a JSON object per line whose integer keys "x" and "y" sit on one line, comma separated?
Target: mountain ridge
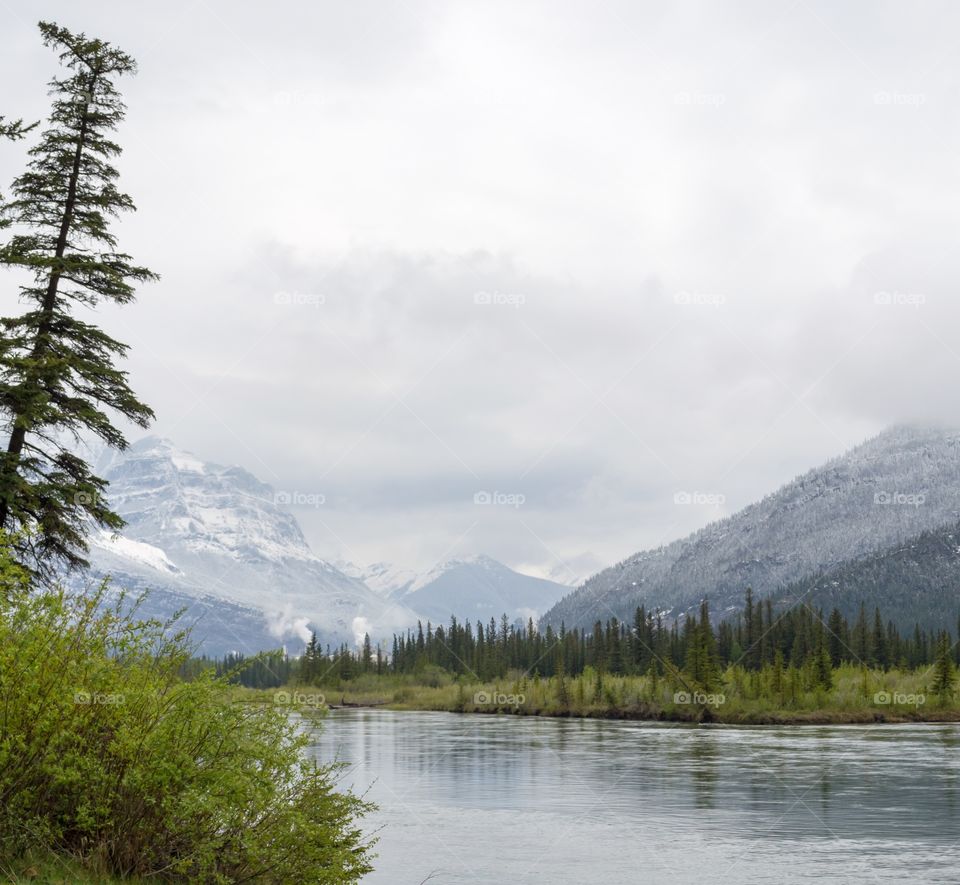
{"x": 891, "y": 487}
{"x": 438, "y": 593}
{"x": 199, "y": 530}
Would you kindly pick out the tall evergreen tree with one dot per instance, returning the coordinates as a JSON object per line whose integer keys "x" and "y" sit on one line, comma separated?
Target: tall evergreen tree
{"x": 777, "y": 676}
{"x": 58, "y": 378}
{"x": 822, "y": 666}
{"x": 701, "y": 663}
{"x": 861, "y": 638}
{"x": 944, "y": 676}
{"x": 752, "y": 615}
{"x": 879, "y": 643}
{"x": 563, "y": 693}
{"x": 956, "y": 648}
{"x": 366, "y": 659}
{"x": 835, "y": 637}
{"x": 311, "y": 659}
{"x": 614, "y": 650}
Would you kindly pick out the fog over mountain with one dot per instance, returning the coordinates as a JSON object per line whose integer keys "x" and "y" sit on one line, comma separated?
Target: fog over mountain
{"x": 684, "y": 293}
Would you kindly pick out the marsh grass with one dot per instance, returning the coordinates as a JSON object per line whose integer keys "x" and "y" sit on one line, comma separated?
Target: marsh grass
{"x": 857, "y": 695}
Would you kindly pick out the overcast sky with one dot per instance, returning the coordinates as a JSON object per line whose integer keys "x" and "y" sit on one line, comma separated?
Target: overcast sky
{"x": 593, "y": 260}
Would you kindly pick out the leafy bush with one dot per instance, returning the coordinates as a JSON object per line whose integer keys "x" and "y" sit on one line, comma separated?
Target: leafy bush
{"x": 108, "y": 755}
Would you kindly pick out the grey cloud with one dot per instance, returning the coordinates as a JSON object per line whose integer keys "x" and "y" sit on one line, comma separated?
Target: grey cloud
{"x": 596, "y": 257}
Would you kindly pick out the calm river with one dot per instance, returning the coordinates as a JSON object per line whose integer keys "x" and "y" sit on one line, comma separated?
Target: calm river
{"x": 500, "y": 799}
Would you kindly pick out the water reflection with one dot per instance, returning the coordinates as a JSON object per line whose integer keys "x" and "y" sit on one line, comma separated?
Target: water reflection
{"x": 703, "y": 768}
{"x": 468, "y": 797}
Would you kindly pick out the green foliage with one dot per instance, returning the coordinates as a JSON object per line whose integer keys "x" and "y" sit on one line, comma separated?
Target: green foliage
{"x": 58, "y": 379}
{"x": 741, "y": 696}
{"x": 701, "y": 652}
{"x": 107, "y": 755}
{"x": 562, "y": 690}
{"x": 693, "y": 651}
{"x": 751, "y": 667}
{"x": 269, "y": 669}
{"x": 943, "y": 670}
{"x": 12, "y": 130}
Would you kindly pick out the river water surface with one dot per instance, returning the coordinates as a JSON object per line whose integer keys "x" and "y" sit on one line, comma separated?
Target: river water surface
{"x": 504, "y": 799}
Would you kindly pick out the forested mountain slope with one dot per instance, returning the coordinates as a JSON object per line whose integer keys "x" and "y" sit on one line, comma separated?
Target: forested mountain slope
{"x": 887, "y": 490}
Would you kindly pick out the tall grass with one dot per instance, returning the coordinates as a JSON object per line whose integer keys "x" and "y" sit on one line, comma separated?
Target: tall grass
{"x": 741, "y": 696}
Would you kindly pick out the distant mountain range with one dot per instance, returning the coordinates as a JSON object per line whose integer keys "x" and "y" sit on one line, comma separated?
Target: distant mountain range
{"x": 472, "y": 588}
{"x": 833, "y": 527}
{"x": 220, "y": 543}
{"x": 880, "y": 524}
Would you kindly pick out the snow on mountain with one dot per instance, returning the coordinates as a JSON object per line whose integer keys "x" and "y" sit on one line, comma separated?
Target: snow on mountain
{"x": 478, "y": 587}
{"x": 197, "y": 530}
{"x": 383, "y": 578}
{"x": 137, "y": 551}
{"x": 892, "y": 487}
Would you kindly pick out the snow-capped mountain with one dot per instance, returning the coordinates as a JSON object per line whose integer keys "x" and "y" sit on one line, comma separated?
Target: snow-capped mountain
{"x": 383, "y": 578}
{"x": 200, "y": 531}
{"x": 477, "y": 588}
{"x": 893, "y": 487}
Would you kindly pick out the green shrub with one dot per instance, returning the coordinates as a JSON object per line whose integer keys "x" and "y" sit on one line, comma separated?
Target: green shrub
{"x": 107, "y": 755}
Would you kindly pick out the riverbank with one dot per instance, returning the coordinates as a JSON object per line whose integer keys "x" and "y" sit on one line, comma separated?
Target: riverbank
{"x": 856, "y": 697}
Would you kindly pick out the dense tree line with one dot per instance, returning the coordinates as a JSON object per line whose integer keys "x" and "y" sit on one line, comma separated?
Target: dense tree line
{"x": 754, "y": 638}
{"x": 796, "y": 647}
{"x": 268, "y": 670}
